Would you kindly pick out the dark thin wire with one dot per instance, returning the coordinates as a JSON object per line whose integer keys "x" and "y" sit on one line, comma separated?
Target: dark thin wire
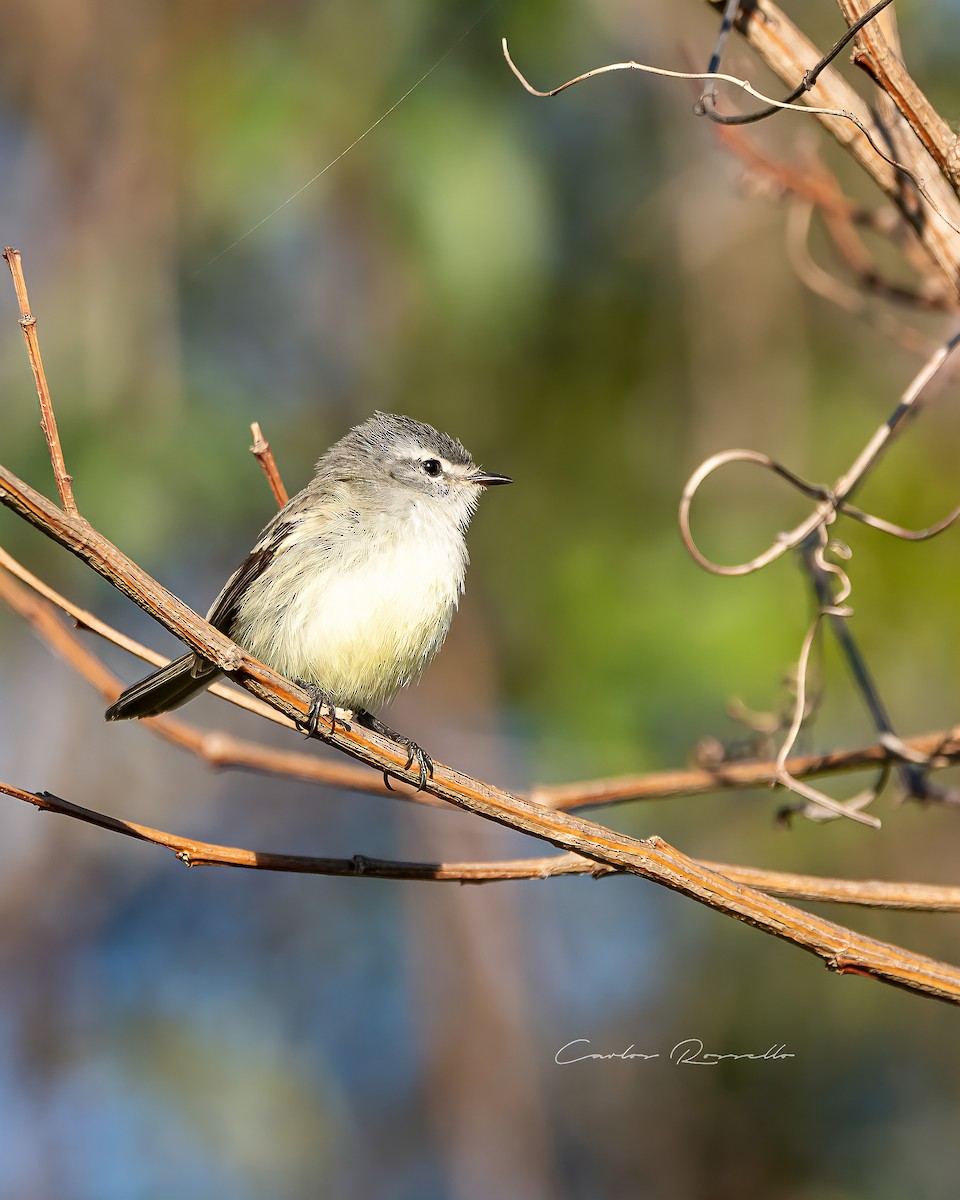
{"x": 709, "y": 99}
{"x": 912, "y": 775}
{"x": 705, "y": 105}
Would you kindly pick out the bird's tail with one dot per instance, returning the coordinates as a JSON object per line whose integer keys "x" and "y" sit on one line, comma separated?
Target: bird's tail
{"x": 167, "y": 688}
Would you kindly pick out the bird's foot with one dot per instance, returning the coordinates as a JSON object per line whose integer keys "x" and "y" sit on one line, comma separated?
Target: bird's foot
{"x": 319, "y": 701}
{"x": 415, "y": 754}
{"x": 423, "y": 760}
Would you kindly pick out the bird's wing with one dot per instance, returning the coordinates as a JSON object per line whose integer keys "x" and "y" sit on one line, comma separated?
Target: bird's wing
{"x": 223, "y": 611}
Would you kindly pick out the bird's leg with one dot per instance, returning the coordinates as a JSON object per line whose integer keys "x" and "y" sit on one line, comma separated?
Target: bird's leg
{"x": 319, "y": 701}
{"x": 414, "y": 752}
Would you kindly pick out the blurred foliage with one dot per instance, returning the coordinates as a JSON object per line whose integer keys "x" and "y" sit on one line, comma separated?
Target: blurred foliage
{"x": 579, "y": 289}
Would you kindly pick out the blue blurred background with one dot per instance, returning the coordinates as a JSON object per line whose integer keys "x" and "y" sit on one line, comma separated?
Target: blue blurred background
{"x": 581, "y": 290}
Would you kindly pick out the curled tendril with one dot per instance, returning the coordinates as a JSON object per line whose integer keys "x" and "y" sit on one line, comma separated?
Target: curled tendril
{"x": 811, "y": 537}
{"x": 830, "y": 501}
{"x": 830, "y": 504}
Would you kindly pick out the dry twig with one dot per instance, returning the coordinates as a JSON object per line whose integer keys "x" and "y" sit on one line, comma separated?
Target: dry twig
{"x": 264, "y": 456}
{"x": 917, "y": 897}
{"x": 48, "y": 421}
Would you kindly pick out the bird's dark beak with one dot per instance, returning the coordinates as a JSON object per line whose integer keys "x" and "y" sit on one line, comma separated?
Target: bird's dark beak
{"x": 488, "y": 478}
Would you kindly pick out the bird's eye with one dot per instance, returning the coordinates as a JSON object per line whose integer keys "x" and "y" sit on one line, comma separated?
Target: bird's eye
{"x": 432, "y": 467}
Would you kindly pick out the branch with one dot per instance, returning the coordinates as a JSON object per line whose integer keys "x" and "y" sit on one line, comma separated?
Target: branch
{"x": 817, "y": 188}
{"x": 87, "y": 620}
{"x": 264, "y": 456}
{"x": 916, "y": 897}
{"x": 214, "y": 747}
{"x": 940, "y": 749}
{"x": 874, "y": 55}
{"x": 48, "y": 422}
{"x": 841, "y": 949}
{"x": 790, "y": 55}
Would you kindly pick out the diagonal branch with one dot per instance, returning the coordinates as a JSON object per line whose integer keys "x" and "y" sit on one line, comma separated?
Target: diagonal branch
{"x": 790, "y": 55}
{"x": 220, "y": 749}
{"x": 842, "y": 950}
{"x": 874, "y": 54}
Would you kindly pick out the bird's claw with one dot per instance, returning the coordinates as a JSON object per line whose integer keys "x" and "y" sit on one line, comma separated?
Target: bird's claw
{"x": 319, "y": 701}
{"x": 423, "y": 760}
{"x": 415, "y": 754}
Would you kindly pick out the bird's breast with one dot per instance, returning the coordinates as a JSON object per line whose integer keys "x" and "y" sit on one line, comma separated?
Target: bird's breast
{"x": 360, "y": 616}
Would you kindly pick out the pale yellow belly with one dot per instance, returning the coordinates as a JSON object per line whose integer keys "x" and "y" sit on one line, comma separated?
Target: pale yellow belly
{"x": 362, "y": 633}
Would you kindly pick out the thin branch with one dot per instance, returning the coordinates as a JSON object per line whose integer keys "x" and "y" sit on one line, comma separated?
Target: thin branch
{"x": 708, "y": 99}
{"x": 790, "y": 54}
{"x": 264, "y": 456}
{"x": 822, "y": 803}
{"x": 805, "y": 85}
{"x": 830, "y": 608}
{"x": 810, "y": 182}
{"x": 870, "y": 135}
{"x": 214, "y": 747}
{"x": 874, "y": 55}
{"x": 48, "y": 421}
{"x": 87, "y": 620}
{"x": 849, "y": 298}
{"x": 940, "y": 749}
{"x": 917, "y": 897}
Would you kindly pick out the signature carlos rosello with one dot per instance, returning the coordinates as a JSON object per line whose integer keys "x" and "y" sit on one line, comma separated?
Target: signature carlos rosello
{"x": 691, "y": 1052}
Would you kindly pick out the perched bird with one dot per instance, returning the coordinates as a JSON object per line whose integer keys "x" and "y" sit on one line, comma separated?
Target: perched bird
{"x": 350, "y": 589}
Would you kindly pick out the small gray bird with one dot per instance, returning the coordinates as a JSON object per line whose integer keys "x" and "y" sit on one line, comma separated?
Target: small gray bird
{"x": 351, "y": 587}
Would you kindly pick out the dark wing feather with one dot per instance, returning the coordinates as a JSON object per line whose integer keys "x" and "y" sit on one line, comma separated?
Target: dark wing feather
{"x": 223, "y": 613}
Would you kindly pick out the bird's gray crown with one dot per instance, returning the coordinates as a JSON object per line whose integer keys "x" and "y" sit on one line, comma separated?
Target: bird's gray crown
{"x": 387, "y": 435}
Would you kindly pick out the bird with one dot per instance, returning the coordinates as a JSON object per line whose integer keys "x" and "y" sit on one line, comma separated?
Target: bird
{"x": 350, "y": 589}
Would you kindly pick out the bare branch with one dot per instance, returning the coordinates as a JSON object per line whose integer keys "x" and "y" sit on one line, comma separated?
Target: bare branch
{"x": 87, "y": 620}
{"x": 789, "y": 54}
{"x": 214, "y": 747}
{"x": 48, "y": 421}
{"x": 874, "y": 55}
{"x": 916, "y": 897}
{"x": 264, "y": 456}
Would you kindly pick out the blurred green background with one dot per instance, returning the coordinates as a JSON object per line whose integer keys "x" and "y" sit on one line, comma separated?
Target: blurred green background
{"x": 581, "y": 290}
